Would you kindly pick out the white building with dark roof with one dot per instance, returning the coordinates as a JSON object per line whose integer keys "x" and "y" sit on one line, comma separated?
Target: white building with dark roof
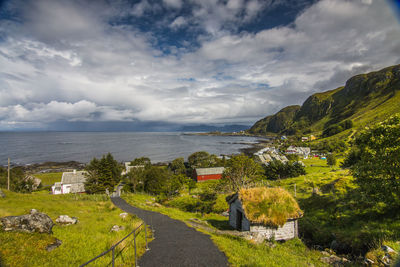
{"x": 71, "y": 182}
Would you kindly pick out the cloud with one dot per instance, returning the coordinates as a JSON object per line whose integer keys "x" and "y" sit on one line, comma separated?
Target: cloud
{"x": 85, "y": 61}
{"x": 178, "y": 22}
{"x": 173, "y": 3}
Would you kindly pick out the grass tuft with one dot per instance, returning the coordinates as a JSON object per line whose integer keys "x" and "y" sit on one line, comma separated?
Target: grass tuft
{"x": 269, "y": 206}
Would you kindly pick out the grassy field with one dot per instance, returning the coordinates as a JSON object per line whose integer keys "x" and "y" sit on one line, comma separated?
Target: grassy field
{"x": 240, "y": 252}
{"x": 80, "y": 242}
{"x": 49, "y": 178}
{"x": 335, "y": 216}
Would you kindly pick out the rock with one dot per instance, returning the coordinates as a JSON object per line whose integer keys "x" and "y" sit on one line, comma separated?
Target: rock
{"x": 66, "y": 220}
{"x": 117, "y": 228}
{"x": 388, "y": 249}
{"x": 386, "y": 260}
{"x": 54, "y": 245}
{"x": 124, "y": 215}
{"x": 345, "y": 260}
{"x": 2, "y": 194}
{"x": 369, "y": 261}
{"x": 257, "y": 238}
{"x": 149, "y": 203}
{"x": 225, "y": 213}
{"x": 33, "y": 222}
{"x": 325, "y": 253}
{"x": 332, "y": 260}
{"x": 157, "y": 205}
{"x": 315, "y": 191}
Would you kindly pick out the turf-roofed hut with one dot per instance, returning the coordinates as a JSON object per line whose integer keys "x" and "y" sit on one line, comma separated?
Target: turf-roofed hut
{"x": 271, "y": 213}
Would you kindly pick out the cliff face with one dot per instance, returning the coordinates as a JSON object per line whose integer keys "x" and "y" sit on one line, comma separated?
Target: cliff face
{"x": 277, "y": 122}
{"x": 365, "y": 98}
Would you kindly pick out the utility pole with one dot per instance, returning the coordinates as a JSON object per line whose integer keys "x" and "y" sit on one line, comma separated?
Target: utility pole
{"x": 8, "y": 185}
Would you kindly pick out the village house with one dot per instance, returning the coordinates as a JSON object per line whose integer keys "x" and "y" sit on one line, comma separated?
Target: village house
{"x": 204, "y": 174}
{"x": 262, "y": 213}
{"x": 301, "y": 151}
{"x": 71, "y": 182}
{"x": 129, "y": 167}
{"x": 268, "y": 154}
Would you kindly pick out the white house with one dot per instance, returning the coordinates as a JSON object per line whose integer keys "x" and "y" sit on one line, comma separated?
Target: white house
{"x": 129, "y": 167}
{"x": 71, "y": 182}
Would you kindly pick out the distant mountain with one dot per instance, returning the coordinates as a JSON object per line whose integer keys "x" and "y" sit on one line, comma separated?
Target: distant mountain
{"x": 213, "y": 128}
{"x": 365, "y": 99}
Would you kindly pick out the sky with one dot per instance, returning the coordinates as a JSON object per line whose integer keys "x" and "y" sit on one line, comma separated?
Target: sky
{"x": 145, "y": 65}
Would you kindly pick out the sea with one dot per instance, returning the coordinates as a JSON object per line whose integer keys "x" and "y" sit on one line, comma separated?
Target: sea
{"x": 25, "y": 148}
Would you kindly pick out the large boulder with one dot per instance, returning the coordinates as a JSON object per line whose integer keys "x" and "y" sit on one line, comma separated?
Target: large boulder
{"x": 66, "y": 220}
{"x": 33, "y": 222}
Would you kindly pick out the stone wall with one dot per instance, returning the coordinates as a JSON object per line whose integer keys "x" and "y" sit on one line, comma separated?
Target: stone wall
{"x": 288, "y": 231}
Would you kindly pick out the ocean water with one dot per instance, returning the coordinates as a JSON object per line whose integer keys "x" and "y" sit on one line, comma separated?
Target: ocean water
{"x": 36, "y": 147}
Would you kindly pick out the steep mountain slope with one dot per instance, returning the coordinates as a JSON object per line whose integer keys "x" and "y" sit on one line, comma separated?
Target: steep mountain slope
{"x": 366, "y": 98}
{"x": 277, "y": 122}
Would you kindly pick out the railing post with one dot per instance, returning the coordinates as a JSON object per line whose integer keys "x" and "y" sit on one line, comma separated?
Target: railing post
{"x": 113, "y": 255}
{"x": 134, "y": 242}
{"x": 145, "y": 235}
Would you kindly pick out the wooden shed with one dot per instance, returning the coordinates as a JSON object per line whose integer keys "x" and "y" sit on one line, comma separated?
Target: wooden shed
{"x": 204, "y": 174}
{"x": 267, "y": 212}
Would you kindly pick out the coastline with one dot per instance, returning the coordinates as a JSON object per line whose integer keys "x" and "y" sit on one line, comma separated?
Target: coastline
{"x": 54, "y": 161}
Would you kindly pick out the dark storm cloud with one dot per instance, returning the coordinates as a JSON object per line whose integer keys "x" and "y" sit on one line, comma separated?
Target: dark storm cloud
{"x": 178, "y": 61}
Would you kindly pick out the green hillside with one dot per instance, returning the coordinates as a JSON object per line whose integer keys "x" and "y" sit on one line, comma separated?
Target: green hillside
{"x": 365, "y": 99}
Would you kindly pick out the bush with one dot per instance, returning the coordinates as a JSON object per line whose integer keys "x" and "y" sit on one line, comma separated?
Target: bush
{"x": 220, "y": 204}
{"x": 279, "y": 170}
{"x": 337, "y": 128}
{"x": 185, "y": 203}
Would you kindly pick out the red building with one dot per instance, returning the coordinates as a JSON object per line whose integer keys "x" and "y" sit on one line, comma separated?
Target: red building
{"x": 204, "y": 174}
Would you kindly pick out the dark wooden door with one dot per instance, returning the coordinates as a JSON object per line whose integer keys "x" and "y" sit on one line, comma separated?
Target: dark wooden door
{"x": 239, "y": 218}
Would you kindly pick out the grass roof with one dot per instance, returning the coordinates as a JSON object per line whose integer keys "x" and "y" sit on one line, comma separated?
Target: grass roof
{"x": 269, "y": 206}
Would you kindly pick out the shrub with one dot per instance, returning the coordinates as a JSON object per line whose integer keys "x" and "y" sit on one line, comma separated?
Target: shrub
{"x": 220, "y": 204}
{"x": 185, "y": 203}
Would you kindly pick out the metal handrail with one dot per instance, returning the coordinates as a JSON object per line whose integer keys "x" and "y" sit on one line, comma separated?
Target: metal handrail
{"x": 112, "y": 248}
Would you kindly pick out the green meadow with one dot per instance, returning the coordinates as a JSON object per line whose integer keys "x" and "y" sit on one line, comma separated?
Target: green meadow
{"x": 49, "y": 178}
{"x": 80, "y": 242}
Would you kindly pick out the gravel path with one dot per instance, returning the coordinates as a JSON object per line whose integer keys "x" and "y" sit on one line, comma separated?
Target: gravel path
{"x": 175, "y": 243}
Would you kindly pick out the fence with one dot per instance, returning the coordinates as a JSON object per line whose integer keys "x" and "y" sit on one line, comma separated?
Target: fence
{"x": 135, "y": 234}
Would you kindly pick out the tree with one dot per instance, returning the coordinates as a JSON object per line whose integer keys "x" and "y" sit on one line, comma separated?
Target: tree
{"x": 241, "y": 171}
{"x": 102, "y": 174}
{"x": 278, "y": 170}
{"x": 142, "y": 161}
{"x": 136, "y": 178}
{"x": 177, "y": 166}
{"x": 18, "y": 183}
{"x": 331, "y": 160}
{"x": 203, "y": 159}
{"x": 377, "y": 171}
{"x": 352, "y": 158}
